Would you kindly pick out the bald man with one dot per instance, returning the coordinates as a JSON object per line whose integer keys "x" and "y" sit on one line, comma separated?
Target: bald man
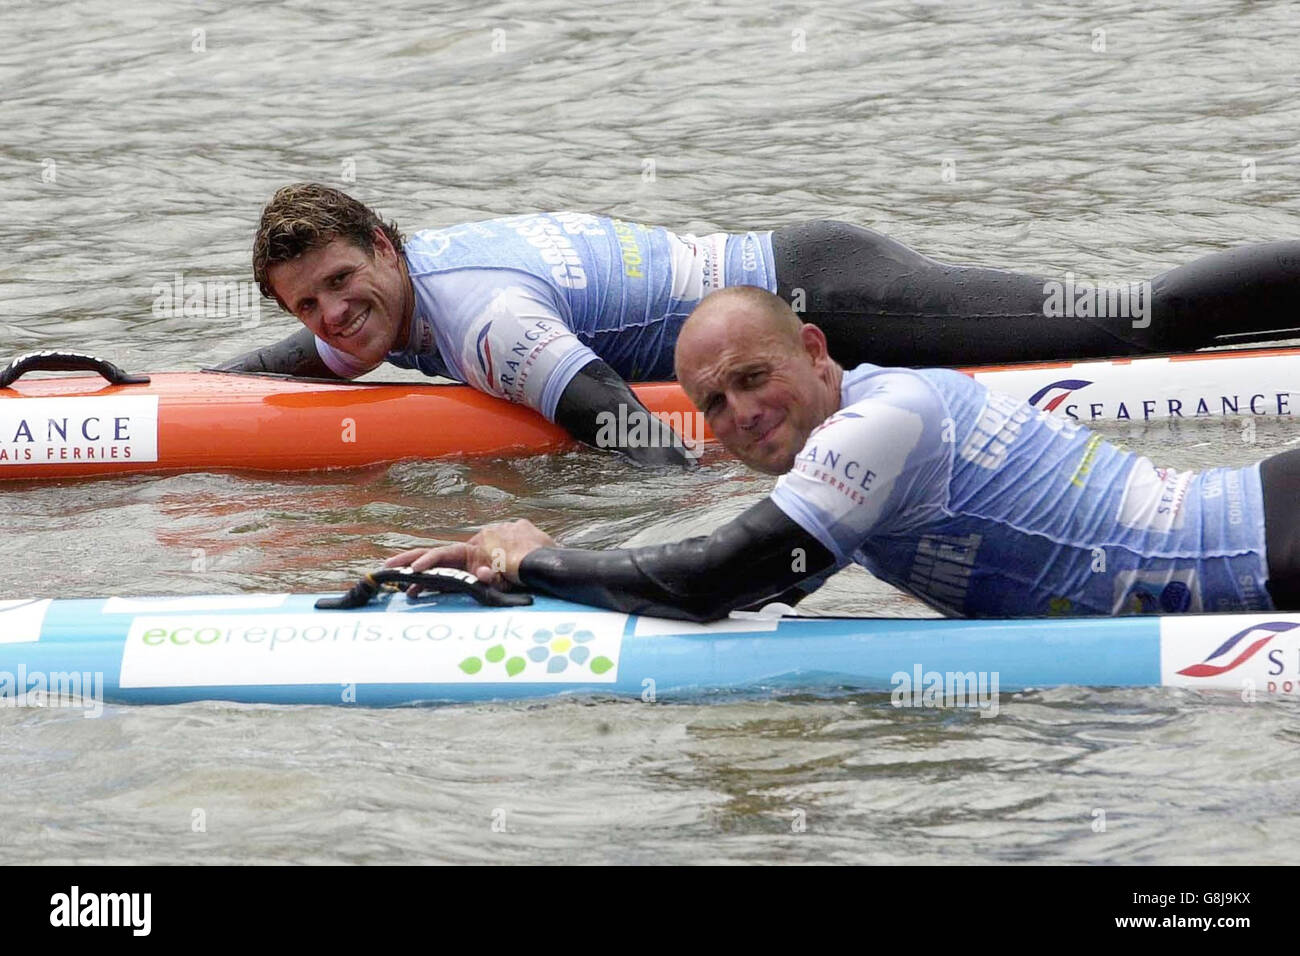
{"x": 972, "y": 501}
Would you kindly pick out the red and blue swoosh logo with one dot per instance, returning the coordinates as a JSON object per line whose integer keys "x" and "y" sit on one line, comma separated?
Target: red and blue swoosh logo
{"x": 483, "y": 349}
{"x": 1232, "y": 645}
{"x": 1068, "y": 385}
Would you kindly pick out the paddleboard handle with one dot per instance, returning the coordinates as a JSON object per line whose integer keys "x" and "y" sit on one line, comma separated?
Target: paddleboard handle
{"x": 442, "y": 580}
{"x": 51, "y": 361}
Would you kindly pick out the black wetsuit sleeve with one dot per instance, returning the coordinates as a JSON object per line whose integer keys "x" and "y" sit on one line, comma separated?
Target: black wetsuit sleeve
{"x": 295, "y": 355}
{"x": 762, "y": 555}
{"x": 598, "y": 388}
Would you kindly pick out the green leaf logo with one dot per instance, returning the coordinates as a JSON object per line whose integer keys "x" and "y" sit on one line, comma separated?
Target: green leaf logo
{"x": 551, "y": 651}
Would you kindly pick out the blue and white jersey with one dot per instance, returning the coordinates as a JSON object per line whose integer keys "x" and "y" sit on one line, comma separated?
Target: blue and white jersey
{"x": 516, "y": 306}
{"x": 983, "y": 506}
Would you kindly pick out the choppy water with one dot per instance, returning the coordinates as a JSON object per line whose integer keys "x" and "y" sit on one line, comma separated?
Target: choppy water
{"x": 140, "y": 140}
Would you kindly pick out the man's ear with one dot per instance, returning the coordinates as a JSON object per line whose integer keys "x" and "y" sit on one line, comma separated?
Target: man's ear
{"x": 814, "y": 342}
{"x": 382, "y": 244}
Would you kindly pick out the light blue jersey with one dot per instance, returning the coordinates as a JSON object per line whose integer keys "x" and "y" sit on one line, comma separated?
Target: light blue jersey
{"x": 983, "y": 506}
{"x": 516, "y": 306}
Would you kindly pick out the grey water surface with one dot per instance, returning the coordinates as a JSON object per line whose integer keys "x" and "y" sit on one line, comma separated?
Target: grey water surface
{"x": 139, "y": 140}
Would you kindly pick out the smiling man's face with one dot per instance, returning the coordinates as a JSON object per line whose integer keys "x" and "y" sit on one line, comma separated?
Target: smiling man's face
{"x": 763, "y": 386}
{"x": 360, "y": 303}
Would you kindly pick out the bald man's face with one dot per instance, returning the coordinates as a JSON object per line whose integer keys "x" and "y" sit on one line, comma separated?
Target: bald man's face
{"x": 760, "y": 392}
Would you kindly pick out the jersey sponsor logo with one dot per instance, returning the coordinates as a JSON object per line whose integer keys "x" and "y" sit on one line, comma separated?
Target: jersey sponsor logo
{"x": 710, "y": 268}
{"x": 691, "y": 266}
{"x": 521, "y": 361}
{"x": 839, "y": 416}
{"x": 711, "y": 255}
{"x": 1065, "y": 388}
{"x": 1153, "y": 497}
{"x": 848, "y": 476}
{"x": 1226, "y": 484}
{"x": 1086, "y": 462}
{"x": 996, "y": 429}
{"x": 625, "y": 234}
{"x": 434, "y": 242}
{"x": 1171, "y": 591}
{"x": 941, "y": 569}
{"x": 1060, "y": 606}
{"x": 483, "y": 351}
{"x": 580, "y": 223}
{"x": 556, "y": 250}
{"x": 511, "y": 355}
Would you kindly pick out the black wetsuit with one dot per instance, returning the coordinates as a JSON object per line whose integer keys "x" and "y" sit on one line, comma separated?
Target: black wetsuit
{"x": 764, "y": 556}
{"x": 880, "y": 302}
{"x": 1280, "y": 478}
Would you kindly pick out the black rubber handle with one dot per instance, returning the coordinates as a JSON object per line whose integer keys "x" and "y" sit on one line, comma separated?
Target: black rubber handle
{"x": 67, "y": 362}
{"x": 442, "y": 580}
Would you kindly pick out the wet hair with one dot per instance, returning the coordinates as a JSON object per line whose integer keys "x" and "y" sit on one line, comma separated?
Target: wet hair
{"x": 306, "y": 216}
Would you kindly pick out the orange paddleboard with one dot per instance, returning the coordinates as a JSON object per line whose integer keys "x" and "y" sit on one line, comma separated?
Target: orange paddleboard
{"x": 201, "y": 421}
